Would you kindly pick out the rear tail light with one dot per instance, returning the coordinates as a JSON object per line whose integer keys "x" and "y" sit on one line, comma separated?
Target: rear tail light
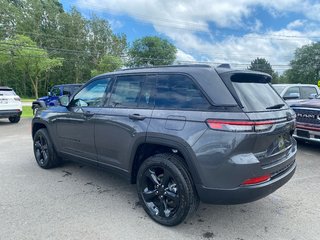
{"x": 257, "y": 180}
{"x": 240, "y": 126}
{"x": 17, "y": 99}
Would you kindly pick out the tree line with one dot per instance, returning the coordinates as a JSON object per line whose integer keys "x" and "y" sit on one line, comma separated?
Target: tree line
{"x": 41, "y": 45}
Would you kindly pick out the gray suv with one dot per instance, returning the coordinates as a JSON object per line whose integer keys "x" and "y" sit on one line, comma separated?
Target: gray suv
{"x": 181, "y": 133}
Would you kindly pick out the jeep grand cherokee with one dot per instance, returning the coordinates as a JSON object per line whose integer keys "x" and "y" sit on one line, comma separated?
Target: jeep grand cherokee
{"x": 182, "y": 133}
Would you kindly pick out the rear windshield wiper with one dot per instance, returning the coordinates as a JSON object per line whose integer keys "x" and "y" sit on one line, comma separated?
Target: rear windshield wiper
{"x": 277, "y": 106}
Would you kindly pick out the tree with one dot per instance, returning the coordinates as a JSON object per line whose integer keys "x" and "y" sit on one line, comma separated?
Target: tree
{"x": 28, "y": 58}
{"x": 262, "y": 65}
{"x": 108, "y": 63}
{"x": 151, "y": 51}
{"x": 305, "y": 67}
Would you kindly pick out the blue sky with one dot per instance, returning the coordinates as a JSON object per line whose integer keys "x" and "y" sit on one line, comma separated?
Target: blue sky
{"x": 233, "y": 31}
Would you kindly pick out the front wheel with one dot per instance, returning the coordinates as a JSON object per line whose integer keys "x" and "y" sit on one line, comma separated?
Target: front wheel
{"x": 14, "y": 119}
{"x": 44, "y": 151}
{"x": 165, "y": 189}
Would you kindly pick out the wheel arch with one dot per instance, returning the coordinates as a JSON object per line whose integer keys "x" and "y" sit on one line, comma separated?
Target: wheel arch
{"x": 155, "y": 145}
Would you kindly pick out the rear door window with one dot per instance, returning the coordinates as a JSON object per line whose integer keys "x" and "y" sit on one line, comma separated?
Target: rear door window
{"x": 175, "y": 91}
{"x": 126, "y": 91}
{"x": 308, "y": 92}
{"x": 256, "y": 95}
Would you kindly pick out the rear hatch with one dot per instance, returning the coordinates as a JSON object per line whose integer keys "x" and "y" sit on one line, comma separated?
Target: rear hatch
{"x": 9, "y": 100}
{"x": 271, "y": 118}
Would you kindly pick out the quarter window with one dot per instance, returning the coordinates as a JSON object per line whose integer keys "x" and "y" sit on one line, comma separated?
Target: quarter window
{"x": 174, "y": 91}
{"x": 93, "y": 95}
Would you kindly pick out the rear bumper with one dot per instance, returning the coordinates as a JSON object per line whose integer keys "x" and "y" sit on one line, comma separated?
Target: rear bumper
{"x": 10, "y": 113}
{"x": 245, "y": 194}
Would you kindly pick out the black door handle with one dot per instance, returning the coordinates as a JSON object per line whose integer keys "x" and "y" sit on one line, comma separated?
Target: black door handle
{"x": 88, "y": 114}
{"x": 137, "y": 117}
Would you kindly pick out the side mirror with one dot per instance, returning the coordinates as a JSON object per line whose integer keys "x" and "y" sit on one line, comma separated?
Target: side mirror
{"x": 313, "y": 96}
{"x": 64, "y": 100}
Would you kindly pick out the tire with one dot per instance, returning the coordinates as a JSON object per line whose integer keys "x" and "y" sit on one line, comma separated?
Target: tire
{"x": 165, "y": 189}
{"x": 14, "y": 119}
{"x": 35, "y": 109}
{"x": 44, "y": 151}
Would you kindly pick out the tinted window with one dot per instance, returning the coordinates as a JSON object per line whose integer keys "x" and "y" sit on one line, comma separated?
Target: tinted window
{"x": 308, "y": 92}
{"x": 126, "y": 91}
{"x": 93, "y": 95}
{"x": 178, "y": 92}
{"x": 292, "y": 92}
{"x": 256, "y": 96}
{"x": 147, "y": 96}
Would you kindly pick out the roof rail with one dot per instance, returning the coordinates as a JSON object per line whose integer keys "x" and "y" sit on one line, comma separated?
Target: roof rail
{"x": 168, "y": 66}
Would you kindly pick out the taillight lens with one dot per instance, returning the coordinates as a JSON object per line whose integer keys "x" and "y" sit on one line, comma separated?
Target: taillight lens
{"x": 240, "y": 126}
{"x": 17, "y": 99}
{"x": 257, "y": 180}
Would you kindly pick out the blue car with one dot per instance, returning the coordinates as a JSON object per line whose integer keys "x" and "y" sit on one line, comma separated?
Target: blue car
{"x": 53, "y": 96}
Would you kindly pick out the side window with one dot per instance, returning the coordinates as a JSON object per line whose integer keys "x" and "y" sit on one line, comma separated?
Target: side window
{"x": 292, "y": 92}
{"x": 55, "y": 91}
{"x": 126, "y": 91}
{"x": 147, "y": 96}
{"x": 308, "y": 92}
{"x": 67, "y": 91}
{"x": 93, "y": 95}
{"x": 174, "y": 91}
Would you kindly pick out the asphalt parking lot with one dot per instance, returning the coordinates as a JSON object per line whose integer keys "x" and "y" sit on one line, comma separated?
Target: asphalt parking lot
{"x": 80, "y": 202}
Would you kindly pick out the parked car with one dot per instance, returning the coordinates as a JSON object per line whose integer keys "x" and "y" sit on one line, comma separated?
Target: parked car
{"x": 308, "y": 120}
{"x": 182, "y": 133}
{"x": 294, "y": 93}
{"x": 10, "y": 105}
{"x": 53, "y": 96}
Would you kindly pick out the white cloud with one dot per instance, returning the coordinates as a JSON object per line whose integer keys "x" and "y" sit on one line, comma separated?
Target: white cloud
{"x": 296, "y": 24}
{"x": 181, "y": 56}
{"x": 180, "y": 20}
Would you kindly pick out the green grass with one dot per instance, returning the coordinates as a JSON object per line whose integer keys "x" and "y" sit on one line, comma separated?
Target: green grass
{"x": 26, "y": 112}
{"x": 27, "y": 99}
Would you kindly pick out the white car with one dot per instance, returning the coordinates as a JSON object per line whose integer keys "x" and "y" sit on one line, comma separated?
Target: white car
{"x": 295, "y": 93}
{"x": 10, "y": 105}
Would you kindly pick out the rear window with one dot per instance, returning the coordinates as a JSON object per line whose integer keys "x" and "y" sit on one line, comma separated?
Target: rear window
{"x": 257, "y": 95}
{"x": 7, "y": 93}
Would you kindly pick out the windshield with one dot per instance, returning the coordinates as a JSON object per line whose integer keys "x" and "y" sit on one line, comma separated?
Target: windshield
{"x": 258, "y": 97}
{"x": 279, "y": 89}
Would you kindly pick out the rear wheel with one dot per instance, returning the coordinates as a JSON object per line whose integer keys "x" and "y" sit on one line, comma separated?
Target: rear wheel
{"x": 165, "y": 189}
{"x": 44, "y": 151}
{"x": 14, "y": 119}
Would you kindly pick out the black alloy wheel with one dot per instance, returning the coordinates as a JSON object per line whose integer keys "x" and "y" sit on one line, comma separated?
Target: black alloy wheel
{"x": 160, "y": 191}
{"x": 165, "y": 189}
{"x": 44, "y": 152}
